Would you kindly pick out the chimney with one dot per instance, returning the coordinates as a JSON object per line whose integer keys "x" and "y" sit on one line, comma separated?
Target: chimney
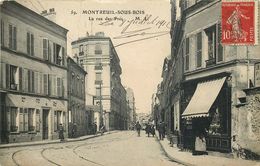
{"x": 100, "y": 34}
{"x": 49, "y": 14}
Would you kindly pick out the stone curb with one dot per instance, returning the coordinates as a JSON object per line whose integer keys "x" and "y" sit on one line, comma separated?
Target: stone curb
{"x": 53, "y": 142}
{"x": 170, "y": 157}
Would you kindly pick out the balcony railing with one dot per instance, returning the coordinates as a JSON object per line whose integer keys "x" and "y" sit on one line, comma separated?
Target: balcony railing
{"x": 13, "y": 86}
{"x": 210, "y": 62}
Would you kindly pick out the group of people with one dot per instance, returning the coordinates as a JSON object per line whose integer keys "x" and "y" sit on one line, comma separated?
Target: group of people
{"x": 149, "y": 129}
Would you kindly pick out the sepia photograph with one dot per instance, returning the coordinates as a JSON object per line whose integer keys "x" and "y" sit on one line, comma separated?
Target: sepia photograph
{"x": 130, "y": 83}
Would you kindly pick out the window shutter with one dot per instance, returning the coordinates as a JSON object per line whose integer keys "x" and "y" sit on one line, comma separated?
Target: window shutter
{"x": 36, "y": 82}
{"x": 45, "y": 84}
{"x": 54, "y": 85}
{"x": 28, "y": 44}
{"x": 45, "y": 49}
{"x": 40, "y": 83}
{"x": 32, "y": 45}
{"x": 3, "y": 76}
{"x": 29, "y": 80}
{"x": 219, "y": 45}
{"x": 62, "y": 87}
{"x": 63, "y": 56}
{"x": 10, "y": 36}
{"x": 14, "y": 38}
{"x": 49, "y": 84}
{"x": 7, "y": 76}
{"x": 49, "y": 51}
{"x": 54, "y": 53}
{"x": 32, "y": 80}
{"x": 21, "y": 122}
{"x": 20, "y": 78}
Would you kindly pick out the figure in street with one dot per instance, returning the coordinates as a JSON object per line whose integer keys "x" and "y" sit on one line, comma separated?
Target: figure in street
{"x": 148, "y": 129}
{"x": 138, "y": 128}
{"x": 152, "y": 130}
{"x": 161, "y": 129}
{"x": 61, "y": 134}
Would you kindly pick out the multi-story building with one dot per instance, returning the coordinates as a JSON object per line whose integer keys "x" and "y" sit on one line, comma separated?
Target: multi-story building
{"x": 131, "y": 103}
{"x": 33, "y": 84}
{"x": 99, "y": 59}
{"x": 210, "y": 85}
{"x": 78, "y": 116}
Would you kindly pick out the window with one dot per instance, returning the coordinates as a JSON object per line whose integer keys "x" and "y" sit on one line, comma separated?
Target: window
{"x": 14, "y": 77}
{"x": 72, "y": 83}
{"x": 12, "y": 37}
{"x": 98, "y": 92}
{"x": 211, "y": 34}
{"x": 98, "y": 76}
{"x": 31, "y": 81}
{"x": 30, "y": 44}
{"x": 31, "y": 119}
{"x": 57, "y": 54}
{"x": 59, "y": 87}
{"x": 186, "y": 55}
{"x": 98, "y": 49}
{"x": 2, "y": 32}
{"x": 199, "y": 50}
{"x": 57, "y": 119}
{"x": 13, "y": 121}
{"x": 81, "y": 50}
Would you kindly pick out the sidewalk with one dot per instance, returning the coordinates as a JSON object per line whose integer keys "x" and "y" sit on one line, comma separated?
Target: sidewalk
{"x": 34, "y": 143}
{"x": 186, "y": 158}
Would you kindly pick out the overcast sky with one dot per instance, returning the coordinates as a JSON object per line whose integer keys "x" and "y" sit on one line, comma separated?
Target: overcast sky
{"x": 141, "y": 53}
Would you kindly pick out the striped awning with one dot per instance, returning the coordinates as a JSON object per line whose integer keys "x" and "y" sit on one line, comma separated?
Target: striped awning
{"x": 203, "y": 98}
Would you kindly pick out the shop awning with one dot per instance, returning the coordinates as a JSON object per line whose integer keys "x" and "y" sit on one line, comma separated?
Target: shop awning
{"x": 203, "y": 98}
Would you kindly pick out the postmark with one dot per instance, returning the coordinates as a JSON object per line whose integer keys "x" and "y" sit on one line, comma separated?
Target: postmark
{"x": 238, "y": 22}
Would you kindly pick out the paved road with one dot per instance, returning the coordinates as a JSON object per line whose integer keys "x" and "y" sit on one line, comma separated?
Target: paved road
{"x": 117, "y": 149}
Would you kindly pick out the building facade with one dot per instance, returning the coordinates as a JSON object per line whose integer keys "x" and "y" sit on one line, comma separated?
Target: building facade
{"x": 78, "y": 115}
{"x": 33, "y": 84}
{"x": 204, "y": 80}
{"x": 132, "y": 111}
{"x": 99, "y": 59}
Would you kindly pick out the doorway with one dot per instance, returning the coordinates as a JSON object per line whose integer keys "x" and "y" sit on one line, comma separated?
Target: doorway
{"x": 45, "y": 123}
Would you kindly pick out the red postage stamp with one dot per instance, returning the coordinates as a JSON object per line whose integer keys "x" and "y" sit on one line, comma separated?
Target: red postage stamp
{"x": 238, "y": 22}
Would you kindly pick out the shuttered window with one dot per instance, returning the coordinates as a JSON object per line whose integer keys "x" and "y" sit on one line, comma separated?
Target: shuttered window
{"x": 45, "y": 84}
{"x": 199, "y": 50}
{"x": 187, "y": 52}
{"x": 45, "y": 47}
{"x": 30, "y": 44}
{"x": 219, "y": 45}
{"x": 12, "y": 37}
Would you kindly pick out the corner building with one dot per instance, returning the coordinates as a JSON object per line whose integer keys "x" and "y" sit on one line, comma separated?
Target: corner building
{"x": 33, "y": 85}
{"x": 104, "y": 89}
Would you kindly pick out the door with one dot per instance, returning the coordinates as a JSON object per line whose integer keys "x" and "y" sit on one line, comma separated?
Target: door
{"x": 45, "y": 124}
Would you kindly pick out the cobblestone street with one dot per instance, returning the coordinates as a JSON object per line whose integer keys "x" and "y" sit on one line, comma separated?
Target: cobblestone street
{"x": 117, "y": 149}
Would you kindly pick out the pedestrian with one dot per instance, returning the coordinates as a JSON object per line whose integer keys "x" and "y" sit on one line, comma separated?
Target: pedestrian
{"x": 61, "y": 135}
{"x": 152, "y": 130}
{"x": 74, "y": 130}
{"x": 138, "y": 128}
{"x": 95, "y": 128}
{"x": 161, "y": 129}
{"x": 200, "y": 143}
{"x": 102, "y": 129}
{"x": 148, "y": 129}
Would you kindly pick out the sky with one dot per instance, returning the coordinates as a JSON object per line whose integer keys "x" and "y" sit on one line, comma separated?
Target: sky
{"x": 139, "y": 30}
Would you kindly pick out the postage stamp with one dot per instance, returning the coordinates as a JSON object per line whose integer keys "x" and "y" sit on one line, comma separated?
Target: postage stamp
{"x": 238, "y": 22}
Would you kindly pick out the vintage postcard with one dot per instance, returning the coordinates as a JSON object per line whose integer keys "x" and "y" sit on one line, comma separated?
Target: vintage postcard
{"x": 129, "y": 82}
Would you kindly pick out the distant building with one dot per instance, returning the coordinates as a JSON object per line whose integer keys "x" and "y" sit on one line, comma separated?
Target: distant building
{"x": 99, "y": 58}
{"x": 131, "y": 103}
{"x": 78, "y": 116}
{"x": 33, "y": 85}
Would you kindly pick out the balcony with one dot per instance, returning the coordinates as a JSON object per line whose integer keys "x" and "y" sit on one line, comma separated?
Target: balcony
{"x": 210, "y": 62}
{"x": 98, "y": 67}
{"x": 81, "y": 53}
{"x": 13, "y": 86}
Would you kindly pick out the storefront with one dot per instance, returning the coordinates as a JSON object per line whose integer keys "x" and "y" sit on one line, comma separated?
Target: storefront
{"x": 207, "y": 113}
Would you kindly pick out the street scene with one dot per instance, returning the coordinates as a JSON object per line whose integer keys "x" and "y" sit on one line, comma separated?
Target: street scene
{"x": 115, "y": 149}
{"x": 122, "y": 83}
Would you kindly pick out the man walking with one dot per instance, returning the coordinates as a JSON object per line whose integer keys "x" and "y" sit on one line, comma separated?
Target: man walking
{"x": 138, "y": 128}
{"x": 161, "y": 129}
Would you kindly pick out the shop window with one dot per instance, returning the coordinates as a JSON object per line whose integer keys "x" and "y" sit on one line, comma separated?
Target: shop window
{"x": 37, "y": 120}
{"x": 13, "y": 119}
{"x": 12, "y": 37}
{"x": 31, "y": 125}
{"x": 57, "y": 120}
{"x": 30, "y": 44}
